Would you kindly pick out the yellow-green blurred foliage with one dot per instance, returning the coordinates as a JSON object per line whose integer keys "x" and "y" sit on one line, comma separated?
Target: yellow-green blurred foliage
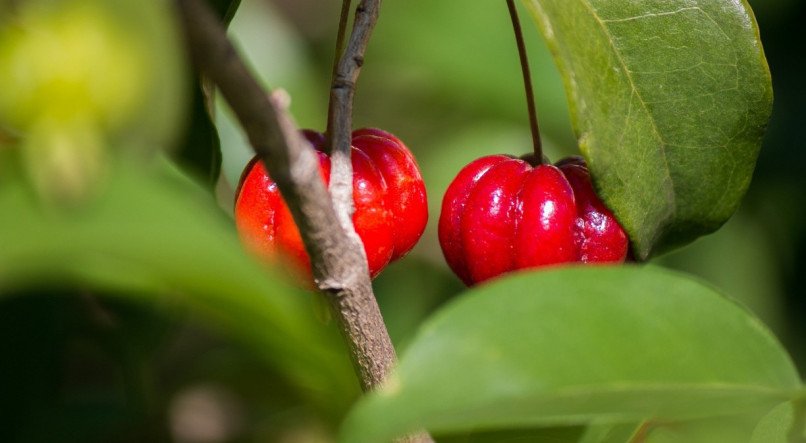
{"x": 80, "y": 76}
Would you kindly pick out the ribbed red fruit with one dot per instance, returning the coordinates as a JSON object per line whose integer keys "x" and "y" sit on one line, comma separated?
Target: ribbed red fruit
{"x": 501, "y": 214}
{"x": 390, "y": 202}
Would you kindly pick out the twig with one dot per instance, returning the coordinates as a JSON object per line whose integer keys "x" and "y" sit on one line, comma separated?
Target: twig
{"x": 339, "y": 266}
{"x": 337, "y": 53}
{"x": 527, "y": 82}
{"x": 340, "y": 124}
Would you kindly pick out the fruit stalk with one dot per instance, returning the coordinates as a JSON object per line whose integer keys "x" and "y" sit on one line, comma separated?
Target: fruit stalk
{"x": 338, "y": 263}
{"x": 527, "y": 83}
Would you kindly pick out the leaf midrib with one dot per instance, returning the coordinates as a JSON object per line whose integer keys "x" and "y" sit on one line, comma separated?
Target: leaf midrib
{"x": 768, "y": 394}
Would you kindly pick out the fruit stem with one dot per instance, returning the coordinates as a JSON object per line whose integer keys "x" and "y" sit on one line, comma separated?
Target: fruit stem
{"x": 341, "y": 33}
{"x": 527, "y": 81}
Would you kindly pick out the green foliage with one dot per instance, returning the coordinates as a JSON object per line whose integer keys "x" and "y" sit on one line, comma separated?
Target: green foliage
{"x": 200, "y": 150}
{"x": 472, "y": 71}
{"x": 79, "y": 76}
{"x": 225, "y": 9}
{"x": 92, "y": 60}
{"x": 776, "y": 426}
{"x": 576, "y": 345}
{"x": 154, "y": 237}
{"x": 670, "y": 100}
{"x": 539, "y": 435}
{"x": 613, "y": 433}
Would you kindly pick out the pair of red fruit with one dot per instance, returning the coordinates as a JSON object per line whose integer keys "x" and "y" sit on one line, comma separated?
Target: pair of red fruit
{"x": 499, "y": 214}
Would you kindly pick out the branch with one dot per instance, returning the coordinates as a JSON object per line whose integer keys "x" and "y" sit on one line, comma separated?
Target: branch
{"x": 340, "y": 110}
{"x": 338, "y": 262}
{"x": 337, "y": 53}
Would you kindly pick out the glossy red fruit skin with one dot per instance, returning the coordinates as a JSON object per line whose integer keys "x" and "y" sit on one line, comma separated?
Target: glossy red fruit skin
{"x": 601, "y": 237}
{"x": 391, "y": 210}
{"x": 501, "y": 214}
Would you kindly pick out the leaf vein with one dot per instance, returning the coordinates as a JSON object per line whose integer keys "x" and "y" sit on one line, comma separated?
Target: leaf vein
{"x": 651, "y": 14}
{"x": 627, "y": 74}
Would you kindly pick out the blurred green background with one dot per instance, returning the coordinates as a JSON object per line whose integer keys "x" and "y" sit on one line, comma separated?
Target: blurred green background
{"x": 444, "y": 77}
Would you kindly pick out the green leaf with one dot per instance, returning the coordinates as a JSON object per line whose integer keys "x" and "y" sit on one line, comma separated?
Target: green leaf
{"x": 774, "y": 427}
{"x": 669, "y": 99}
{"x": 579, "y": 345}
{"x": 156, "y": 238}
{"x": 614, "y": 433}
{"x": 225, "y": 9}
{"x": 733, "y": 428}
{"x": 540, "y": 435}
{"x": 780, "y": 426}
{"x": 200, "y": 152}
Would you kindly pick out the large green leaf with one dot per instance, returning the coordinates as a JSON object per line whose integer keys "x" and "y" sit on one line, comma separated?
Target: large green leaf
{"x": 670, "y": 99}
{"x": 614, "y": 433}
{"x": 733, "y": 429}
{"x": 576, "y": 345}
{"x": 539, "y": 435}
{"x": 156, "y": 238}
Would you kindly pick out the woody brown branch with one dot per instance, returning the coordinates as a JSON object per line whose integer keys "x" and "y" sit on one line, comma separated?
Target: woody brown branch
{"x": 338, "y": 262}
{"x": 337, "y": 255}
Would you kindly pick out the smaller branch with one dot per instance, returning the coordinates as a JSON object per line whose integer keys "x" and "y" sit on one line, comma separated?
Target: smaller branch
{"x": 527, "y": 82}
{"x": 343, "y": 18}
{"x": 340, "y": 124}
